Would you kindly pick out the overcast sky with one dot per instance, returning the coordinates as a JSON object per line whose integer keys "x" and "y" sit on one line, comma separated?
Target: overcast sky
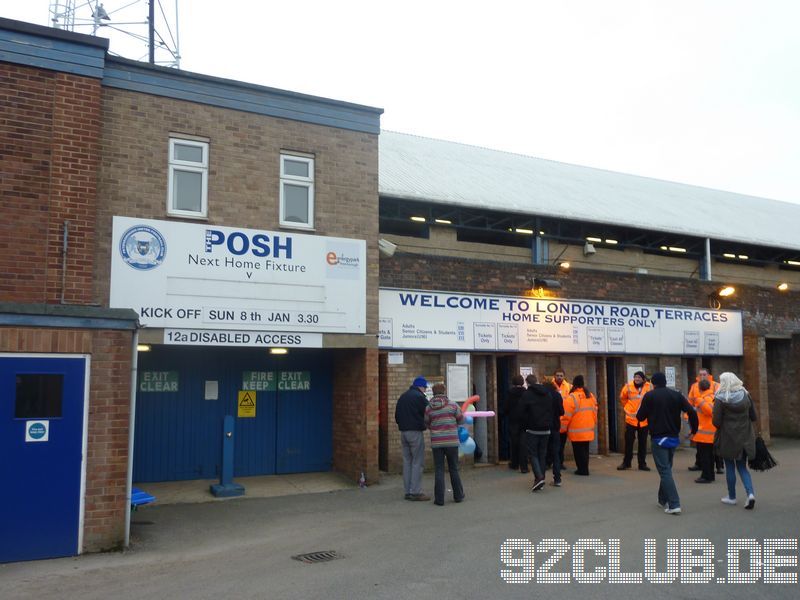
{"x": 705, "y": 92}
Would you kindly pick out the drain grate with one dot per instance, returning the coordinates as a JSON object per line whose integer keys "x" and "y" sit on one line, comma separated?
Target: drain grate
{"x": 317, "y": 557}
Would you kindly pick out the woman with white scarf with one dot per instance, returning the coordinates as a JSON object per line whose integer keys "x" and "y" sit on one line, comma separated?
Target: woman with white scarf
{"x": 735, "y": 437}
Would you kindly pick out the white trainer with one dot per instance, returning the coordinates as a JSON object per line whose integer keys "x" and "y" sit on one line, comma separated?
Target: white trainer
{"x": 751, "y": 502}
{"x": 673, "y": 511}
{"x": 727, "y": 500}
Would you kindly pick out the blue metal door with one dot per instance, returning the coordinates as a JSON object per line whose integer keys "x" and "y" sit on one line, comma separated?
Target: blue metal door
{"x": 305, "y": 420}
{"x": 41, "y": 441}
{"x": 179, "y": 433}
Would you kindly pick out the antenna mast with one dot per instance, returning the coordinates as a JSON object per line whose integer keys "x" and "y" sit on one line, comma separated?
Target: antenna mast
{"x": 126, "y": 24}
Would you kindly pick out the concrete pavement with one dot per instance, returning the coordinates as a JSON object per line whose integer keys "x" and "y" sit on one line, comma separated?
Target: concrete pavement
{"x": 392, "y": 548}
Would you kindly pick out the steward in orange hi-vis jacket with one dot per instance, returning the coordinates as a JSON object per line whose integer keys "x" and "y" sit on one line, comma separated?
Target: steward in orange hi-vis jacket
{"x": 704, "y": 438}
{"x": 580, "y": 419}
{"x": 693, "y": 395}
{"x": 631, "y": 399}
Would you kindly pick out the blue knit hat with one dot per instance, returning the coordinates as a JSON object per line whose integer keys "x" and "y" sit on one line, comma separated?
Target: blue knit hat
{"x": 420, "y": 382}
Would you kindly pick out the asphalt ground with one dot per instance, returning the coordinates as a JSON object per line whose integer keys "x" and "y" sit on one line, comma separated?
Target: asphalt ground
{"x": 392, "y": 548}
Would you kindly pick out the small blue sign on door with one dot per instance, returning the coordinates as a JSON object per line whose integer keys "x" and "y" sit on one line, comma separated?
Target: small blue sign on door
{"x": 37, "y": 431}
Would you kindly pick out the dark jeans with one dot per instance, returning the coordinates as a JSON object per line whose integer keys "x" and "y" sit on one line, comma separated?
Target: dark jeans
{"x": 519, "y": 452}
{"x": 705, "y": 456}
{"x": 557, "y": 451}
{"x": 563, "y": 443}
{"x": 630, "y": 435}
{"x": 667, "y": 491}
{"x": 537, "y": 451}
{"x": 439, "y": 455}
{"x": 581, "y": 452}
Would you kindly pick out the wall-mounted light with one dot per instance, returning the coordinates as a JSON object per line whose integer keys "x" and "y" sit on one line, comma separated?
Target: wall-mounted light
{"x": 278, "y": 351}
{"x": 677, "y": 249}
{"x": 143, "y": 347}
{"x": 595, "y": 240}
{"x": 521, "y": 230}
{"x": 794, "y": 263}
{"x": 783, "y": 286}
{"x": 546, "y": 283}
{"x": 729, "y": 255}
{"x": 726, "y": 291}
{"x": 418, "y": 219}
{"x": 443, "y": 221}
{"x": 612, "y": 242}
{"x": 715, "y": 296}
{"x": 564, "y": 265}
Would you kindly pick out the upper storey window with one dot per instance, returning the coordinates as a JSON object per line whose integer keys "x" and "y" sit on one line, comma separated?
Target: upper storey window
{"x": 188, "y": 178}
{"x": 297, "y": 191}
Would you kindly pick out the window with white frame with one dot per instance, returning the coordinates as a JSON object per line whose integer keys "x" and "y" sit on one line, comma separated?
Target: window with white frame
{"x": 297, "y": 191}
{"x": 187, "y": 194}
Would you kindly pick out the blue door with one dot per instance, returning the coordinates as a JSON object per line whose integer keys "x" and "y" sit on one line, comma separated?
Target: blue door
{"x": 41, "y": 441}
{"x": 179, "y": 427}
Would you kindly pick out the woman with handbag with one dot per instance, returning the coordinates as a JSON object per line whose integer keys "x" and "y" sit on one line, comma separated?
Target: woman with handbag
{"x": 735, "y": 438}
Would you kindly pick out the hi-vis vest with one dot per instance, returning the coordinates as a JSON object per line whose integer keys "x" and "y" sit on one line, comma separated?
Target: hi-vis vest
{"x": 695, "y": 393}
{"x": 631, "y": 399}
{"x": 704, "y": 408}
{"x": 580, "y": 416}
{"x": 563, "y": 389}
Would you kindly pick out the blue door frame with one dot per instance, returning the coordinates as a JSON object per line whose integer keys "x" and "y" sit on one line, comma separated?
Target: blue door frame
{"x": 42, "y": 431}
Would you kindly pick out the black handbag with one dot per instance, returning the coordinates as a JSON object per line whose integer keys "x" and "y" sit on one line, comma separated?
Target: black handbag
{"x": 763, "y": 460}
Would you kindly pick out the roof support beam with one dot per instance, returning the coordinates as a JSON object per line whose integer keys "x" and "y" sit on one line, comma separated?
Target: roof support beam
{"x": 705, "y": 261}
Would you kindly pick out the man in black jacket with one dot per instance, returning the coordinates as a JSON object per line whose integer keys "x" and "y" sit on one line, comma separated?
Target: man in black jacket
{"x": 662, "y": 407}
{"x": 409, "y": 414}
{"x": 541, "y": 406}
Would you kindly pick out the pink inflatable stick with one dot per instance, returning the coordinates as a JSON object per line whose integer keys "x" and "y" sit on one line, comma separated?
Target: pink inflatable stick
{"x": 479, "y": 413}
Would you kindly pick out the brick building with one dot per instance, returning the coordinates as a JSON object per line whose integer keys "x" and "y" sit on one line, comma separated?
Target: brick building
{"x": 470, "y": 225}
{"x": 176, "y": 248}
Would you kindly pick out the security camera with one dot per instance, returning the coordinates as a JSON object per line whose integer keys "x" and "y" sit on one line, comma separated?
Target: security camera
{"x": 588, "y": 249}
{"x": 386, "y": 247}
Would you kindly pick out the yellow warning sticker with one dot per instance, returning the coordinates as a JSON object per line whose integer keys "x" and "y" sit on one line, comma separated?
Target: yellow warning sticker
{"x": 247, "y": 404}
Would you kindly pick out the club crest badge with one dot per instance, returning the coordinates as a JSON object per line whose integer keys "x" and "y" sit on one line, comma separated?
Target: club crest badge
{"x": 142, "y": 247}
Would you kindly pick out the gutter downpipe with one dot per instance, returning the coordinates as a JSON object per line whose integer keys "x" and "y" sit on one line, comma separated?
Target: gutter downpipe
{"x": 131, "y": 424}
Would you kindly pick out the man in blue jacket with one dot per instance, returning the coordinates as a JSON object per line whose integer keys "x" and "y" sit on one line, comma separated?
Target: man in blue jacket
{"x": 409, "y": 414}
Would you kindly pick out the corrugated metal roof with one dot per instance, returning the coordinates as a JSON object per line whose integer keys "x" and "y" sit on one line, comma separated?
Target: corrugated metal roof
{"x": 417, "y": 168}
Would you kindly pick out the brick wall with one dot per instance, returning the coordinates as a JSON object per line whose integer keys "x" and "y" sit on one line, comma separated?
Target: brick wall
{"x": 243, "y": 179}
{"x": 50, "y": 142}
{"x": 355, "y": 413}
{"x": 109, "y": 410}
{"x": 764, "y": 312}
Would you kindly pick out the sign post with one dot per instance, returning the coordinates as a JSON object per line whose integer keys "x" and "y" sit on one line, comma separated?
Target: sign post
{"x": 226, "y": 488}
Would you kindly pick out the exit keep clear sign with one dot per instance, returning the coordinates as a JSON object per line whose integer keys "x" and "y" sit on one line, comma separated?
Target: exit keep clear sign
{"x": 270, "y": 381}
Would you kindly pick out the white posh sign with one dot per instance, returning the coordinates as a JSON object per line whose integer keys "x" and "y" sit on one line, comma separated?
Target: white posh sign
{"x": 201, "y": 276}
{"x": 412, "y": 319}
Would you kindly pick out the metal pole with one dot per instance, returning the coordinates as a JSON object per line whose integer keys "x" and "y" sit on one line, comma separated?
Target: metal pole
{"x": 151, "y": 30}
{"x": 705, "y": 265}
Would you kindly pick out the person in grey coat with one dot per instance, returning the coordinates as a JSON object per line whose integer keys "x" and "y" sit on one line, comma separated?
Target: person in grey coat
{"x": 735, "y": 439}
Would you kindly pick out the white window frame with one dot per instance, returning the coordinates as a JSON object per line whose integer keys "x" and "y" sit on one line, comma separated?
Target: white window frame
{"x": 307, "y": 182}
{"x": 192, "y": 167}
